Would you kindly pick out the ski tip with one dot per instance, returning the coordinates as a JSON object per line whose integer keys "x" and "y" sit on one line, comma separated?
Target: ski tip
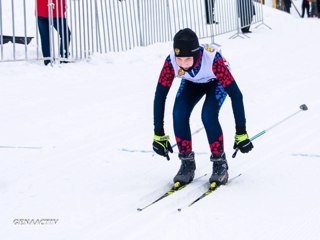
{"x": 139, "y": 209}
{"x": 179, "y": 209}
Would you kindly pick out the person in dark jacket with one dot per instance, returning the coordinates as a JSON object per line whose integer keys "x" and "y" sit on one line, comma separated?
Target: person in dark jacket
{"x": 209, "y": 4}
{"x": 287, "y": 5}
{"x": 203, "y": 72}
{"x": 245, "y": 11}
{"x": 305, "y": 7}
{"x": 314, "y": 12}
{"x": 59, "y": 23}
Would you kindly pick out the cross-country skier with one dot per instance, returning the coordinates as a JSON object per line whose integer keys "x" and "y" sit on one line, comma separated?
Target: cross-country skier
{"x": 204, "y": 73}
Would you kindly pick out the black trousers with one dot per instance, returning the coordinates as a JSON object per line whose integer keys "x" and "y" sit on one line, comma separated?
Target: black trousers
{"x": 60, "y": 24}
{"x": 287, "y": 5}
{"x": 305, "y": 6}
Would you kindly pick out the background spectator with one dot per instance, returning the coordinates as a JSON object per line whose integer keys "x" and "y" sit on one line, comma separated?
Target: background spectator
{"x": 59, "y": 23}
{"x": 209, "y": 4}
{"x": 314, "y": 8}
{"x": 287, "y": 5}
{"x": 246, "y": 11}
{"x": 305, "y": 7}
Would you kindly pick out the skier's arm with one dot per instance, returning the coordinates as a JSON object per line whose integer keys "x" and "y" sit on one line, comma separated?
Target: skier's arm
{"x": 164, "y": 83}
{"x": 242, "y": 141}
{"x": 227, "y": 81}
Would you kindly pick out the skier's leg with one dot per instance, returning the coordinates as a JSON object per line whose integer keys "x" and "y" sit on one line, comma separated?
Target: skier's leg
{"x": 215, "y": 97}
{"x": 187, "y": 97}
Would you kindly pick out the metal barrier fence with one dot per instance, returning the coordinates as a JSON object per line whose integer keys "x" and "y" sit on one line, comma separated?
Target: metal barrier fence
{"x": 114, "y": 25}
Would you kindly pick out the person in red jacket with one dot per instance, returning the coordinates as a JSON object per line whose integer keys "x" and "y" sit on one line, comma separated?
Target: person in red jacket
{"x": 59, "y": 22}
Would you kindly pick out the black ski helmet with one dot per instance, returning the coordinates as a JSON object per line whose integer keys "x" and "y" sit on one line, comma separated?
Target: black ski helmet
{"x": 186, "y": 44}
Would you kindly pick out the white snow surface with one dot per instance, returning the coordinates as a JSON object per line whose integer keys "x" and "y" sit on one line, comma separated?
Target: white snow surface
{"x": 63, "y": 129}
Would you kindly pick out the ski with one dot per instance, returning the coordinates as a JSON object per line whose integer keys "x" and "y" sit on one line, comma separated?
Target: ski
{"x": 213, "y": 187}
{"x": 175, "y": 188}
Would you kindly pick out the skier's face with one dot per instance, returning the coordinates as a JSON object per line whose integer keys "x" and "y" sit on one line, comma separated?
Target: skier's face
{"x": 184, "y": 62}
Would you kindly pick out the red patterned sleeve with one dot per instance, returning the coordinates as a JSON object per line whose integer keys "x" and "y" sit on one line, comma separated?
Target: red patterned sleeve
{"x": 167, "y": 74}
{"x": 221, "y": 71}
{"x": 163, "y": 86}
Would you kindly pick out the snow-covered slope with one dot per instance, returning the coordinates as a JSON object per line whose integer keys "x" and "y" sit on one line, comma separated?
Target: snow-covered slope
{"x": 63, "y": 130}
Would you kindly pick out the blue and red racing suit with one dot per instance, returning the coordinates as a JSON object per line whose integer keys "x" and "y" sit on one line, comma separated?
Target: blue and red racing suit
{"x": 210, "y": 76}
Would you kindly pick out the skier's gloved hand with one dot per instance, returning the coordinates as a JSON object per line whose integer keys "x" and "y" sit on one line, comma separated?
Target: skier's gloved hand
{"x": 162, "y": 146}
{"x": 242, "y": 142}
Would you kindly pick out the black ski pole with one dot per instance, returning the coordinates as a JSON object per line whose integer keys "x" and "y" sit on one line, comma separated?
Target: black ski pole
{"x": 303, "y": 107}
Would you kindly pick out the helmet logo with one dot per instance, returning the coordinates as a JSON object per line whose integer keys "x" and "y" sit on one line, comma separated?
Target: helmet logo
{"x": 177, "y": 51}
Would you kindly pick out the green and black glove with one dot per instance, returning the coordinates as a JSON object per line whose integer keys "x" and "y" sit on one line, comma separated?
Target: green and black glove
{"x": 242, "y": 142}
{"x": 162, "y": 146}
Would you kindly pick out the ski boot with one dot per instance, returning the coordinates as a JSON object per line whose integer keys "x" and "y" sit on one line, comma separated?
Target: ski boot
{"x": 219, "y": 169}
{"x": 185, "y": 174}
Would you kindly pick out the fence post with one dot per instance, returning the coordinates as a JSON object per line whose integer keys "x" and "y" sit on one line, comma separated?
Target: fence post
{"x": 13, "y": 30}
{"x": 262, "y": 16}
{"x": 139, "y": 23}
{"x": 51, "y": 37}
{"x": 1, "y": 32}
{"x": 237, "y": 34}
{"x": 25, "y": 30}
